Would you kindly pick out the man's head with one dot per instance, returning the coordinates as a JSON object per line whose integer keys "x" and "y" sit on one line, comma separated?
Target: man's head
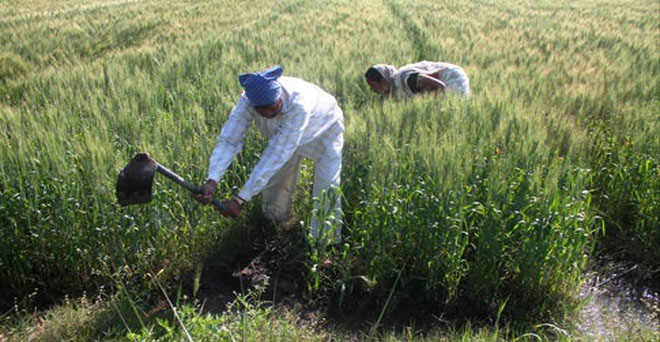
{"x": 263, "y": 90}
{"x": 380, "y": 78}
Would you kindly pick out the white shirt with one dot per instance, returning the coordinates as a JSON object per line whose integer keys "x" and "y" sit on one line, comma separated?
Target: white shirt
{"x": 307, "y": 113}
{"x": 453, "y": 76}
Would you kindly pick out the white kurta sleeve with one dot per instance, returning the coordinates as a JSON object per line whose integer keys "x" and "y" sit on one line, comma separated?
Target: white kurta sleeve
{"x": 230, "y": 140}
{"x": 281, "y": 148}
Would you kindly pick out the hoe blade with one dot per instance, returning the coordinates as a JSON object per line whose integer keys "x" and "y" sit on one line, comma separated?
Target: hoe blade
{"x": 135, "y": 181}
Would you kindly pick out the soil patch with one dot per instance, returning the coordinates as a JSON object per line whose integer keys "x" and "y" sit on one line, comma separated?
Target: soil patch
{"x": 276, "y": 259}
{"x": 618, "y": 296}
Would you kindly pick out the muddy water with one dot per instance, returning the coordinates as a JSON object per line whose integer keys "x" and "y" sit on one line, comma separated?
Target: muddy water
{"x": 618, "y": 302}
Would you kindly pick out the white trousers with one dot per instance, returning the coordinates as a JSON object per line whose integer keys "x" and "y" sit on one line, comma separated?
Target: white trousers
{"x": 277, "y": 195}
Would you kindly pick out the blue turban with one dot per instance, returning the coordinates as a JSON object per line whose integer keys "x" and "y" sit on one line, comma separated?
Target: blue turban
{"x": 262, "y": 88}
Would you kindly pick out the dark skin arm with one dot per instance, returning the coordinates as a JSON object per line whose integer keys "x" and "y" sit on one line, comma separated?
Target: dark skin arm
{"x": 232, "y": 207}
{"x": 431, "y": 84}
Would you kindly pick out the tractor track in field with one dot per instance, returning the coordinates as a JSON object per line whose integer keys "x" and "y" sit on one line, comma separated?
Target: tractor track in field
{"x": 422, "y": 46}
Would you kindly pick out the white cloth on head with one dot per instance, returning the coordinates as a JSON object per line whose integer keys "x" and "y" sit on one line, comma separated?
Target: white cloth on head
{"x": 386, "y": 70}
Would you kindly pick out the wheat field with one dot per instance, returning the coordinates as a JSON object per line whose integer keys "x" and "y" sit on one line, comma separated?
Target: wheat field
{"x": 483, "y": 208}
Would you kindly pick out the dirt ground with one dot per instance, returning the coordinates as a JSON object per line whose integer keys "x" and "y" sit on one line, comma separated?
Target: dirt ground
{"x": 616, "y": 295}
{"x": 275, "y": 259}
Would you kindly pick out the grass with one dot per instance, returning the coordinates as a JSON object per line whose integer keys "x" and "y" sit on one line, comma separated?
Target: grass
{"x": 484, "y": 210}
{"x": 251, "y": 319}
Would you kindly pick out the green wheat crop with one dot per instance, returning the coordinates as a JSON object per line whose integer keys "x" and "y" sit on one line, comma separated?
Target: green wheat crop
{"x": 498, "y": 199}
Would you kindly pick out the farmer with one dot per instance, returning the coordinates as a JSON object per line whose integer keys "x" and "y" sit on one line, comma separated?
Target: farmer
{"x": 417, "y": 78}
{"x": 300, "y": 120}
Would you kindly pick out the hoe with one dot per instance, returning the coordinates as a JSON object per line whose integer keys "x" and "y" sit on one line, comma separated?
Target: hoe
{"x": 135, "y": 181}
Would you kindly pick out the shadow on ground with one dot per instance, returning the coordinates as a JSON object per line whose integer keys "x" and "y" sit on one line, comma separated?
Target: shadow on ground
{"x": 275, "y": 257}
{"x": 614, "y": 295}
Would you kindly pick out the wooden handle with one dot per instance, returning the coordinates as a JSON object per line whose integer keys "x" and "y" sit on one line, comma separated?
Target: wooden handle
{"x": 186, "y": 184}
